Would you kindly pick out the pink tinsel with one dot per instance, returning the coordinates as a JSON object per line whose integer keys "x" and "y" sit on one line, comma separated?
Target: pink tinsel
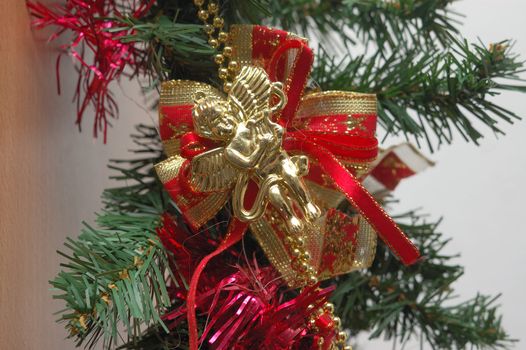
{"x": 247, "y": 307}
{"x": 249, "y": 311}
{"x": 90, "y": 23}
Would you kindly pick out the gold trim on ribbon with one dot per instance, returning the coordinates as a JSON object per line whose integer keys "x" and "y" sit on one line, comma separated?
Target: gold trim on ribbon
{"x": 241, "y": 43}
{"x": 182, "y": 92}
{"x": 324, "y": 196}
{"x": 360, "y": 169}
{"x": 172, "y": 146}
{"x": 271, "y": 241}
{"x": 367, "y": 249}
{"x": 273, "y": 248}
{"x": 203, "y": 211}
{"x": 336, "y": 102}
{"x": 348, "y": 255}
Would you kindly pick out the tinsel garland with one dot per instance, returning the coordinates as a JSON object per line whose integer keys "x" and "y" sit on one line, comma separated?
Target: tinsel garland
{"x": 94, "y": 44}
{"x": 247, "y": 306}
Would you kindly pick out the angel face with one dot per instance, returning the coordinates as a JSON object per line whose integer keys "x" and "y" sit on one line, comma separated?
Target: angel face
{"x": 224, "y": 126}
{"x": 213, "y": 119}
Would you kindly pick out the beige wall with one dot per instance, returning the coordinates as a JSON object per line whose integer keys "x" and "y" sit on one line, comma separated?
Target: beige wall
{"x": 50, "y": 179}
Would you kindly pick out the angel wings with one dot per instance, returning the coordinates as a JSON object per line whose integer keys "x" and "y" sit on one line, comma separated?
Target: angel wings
{"x": 242, "y": 123}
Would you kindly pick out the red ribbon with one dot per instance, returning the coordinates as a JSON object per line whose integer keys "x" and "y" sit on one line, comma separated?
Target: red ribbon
{"x": 235, "y": 232}
{"x": 297, "y": 79}
{"x": 359, "y": 198}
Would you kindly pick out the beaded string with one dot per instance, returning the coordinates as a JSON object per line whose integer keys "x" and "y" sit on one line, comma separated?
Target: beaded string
{"x": 227, "y": 70}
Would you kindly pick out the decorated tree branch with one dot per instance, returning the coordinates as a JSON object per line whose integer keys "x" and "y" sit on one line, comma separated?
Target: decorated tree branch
{"x": 249, "y": 217}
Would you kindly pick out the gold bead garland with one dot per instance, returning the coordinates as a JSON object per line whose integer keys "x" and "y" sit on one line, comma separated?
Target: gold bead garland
{"x": 227, "y": 70}
{"x": 217, "y": 39}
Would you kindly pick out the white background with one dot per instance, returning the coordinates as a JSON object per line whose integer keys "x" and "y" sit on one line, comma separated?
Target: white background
{"x": 52, "y": 178}
{"x": 480, "y": 191}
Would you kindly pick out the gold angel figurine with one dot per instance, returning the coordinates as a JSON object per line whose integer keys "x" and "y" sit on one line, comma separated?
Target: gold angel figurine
{"x": 252, "y": 151}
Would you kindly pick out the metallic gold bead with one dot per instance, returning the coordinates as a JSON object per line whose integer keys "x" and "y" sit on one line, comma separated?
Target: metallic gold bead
{"x": 312, "y": 323}
{"x": 310, "y": 307}
{"x": 321, "y": 341}
{"x": 329, "y": 307}
{"x": 306, "y": 256}
{"x": 218, "y": 22}
{"x": 312, "y": 280}
{"x": 213, "y": 43}
{"x": 222, "y": 37}
{"x": 219, "y": 58}
{"x": 337, "y": 321}
{"x": 296, "y": 253}
{"x": 227, "y": 86}
{"x": 347, "y": 347}
{"x": 300, "y": 242}
{"x": 223, "y": 73}
{"x": 203, "y": 15}
{"x": 212, "y": 7}
{"x": 227, "y": 51}
{"x": 289, "y": 241}
{"x": 233, "y": 66}
{"x": 199, "y": 2}
{"x": 304, "y": 262}
{"x": 296, "y": 265}
{"x": 209, "y": 29}
{"x": 341, "y": 337}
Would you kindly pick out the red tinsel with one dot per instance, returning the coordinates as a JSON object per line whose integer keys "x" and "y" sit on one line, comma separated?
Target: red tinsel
{"x": 249, "y": 311}
{"x": 102, "y": 57}
{"x": 187, "y": 249}
{"x": 247, "y": 307}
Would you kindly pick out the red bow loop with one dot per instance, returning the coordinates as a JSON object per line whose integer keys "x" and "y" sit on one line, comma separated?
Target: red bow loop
{"x": 286, "y": 58}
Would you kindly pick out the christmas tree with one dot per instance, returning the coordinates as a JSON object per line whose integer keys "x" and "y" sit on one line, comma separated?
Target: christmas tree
{"x": 125, "y": 282}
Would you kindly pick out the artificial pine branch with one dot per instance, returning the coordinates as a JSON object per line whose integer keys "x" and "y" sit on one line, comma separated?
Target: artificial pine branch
{"x": 428, "y": 92}
{"x": 172, "y": 49}
{"x": 400, "y": 303}
{"x": 116, "y": 274}
{"x": 430, "y": 82}
{"x": 431, "y": 93}
{"x": 175, "y": 46}
{"x": 382, "y": 25}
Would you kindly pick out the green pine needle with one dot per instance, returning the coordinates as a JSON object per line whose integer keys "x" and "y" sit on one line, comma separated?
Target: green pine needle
{"x": 115, "y": 274}
{"x": 436, "y": 94}
{"x": 418, "y": 302}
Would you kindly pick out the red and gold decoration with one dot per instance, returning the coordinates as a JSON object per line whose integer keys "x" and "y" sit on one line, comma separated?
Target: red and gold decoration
{"x": 393, "y": 165}
{"x": 284, "y": 158}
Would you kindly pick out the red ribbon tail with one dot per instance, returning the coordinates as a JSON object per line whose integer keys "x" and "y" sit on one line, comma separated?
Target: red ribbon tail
{"x": 235, "y": 233}
{"x": 360, "y": 199}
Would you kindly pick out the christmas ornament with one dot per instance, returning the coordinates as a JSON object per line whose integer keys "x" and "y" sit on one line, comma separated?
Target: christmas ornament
{"x": 253, "y": 146}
